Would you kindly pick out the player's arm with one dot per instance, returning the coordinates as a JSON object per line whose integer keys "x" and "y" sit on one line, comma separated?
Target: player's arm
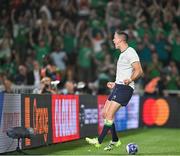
{"x": 137, "y": 72}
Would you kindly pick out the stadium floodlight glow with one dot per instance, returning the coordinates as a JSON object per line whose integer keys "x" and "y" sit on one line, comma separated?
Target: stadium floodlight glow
{"x": 20, "y": 133}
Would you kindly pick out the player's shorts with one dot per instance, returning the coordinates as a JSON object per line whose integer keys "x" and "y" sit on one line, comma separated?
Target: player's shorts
{"x": 121, "y": 94}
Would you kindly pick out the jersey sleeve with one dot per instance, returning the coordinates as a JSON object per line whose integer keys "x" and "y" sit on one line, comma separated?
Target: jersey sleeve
{"x": 133, "y": 56}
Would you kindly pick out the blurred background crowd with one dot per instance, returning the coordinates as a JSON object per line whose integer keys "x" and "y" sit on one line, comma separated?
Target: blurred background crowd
{"x": 44, "y": 41}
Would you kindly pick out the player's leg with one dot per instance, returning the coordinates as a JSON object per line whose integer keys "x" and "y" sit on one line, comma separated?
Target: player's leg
{"x": 94, "y": 141}
{"x": 114, "y": 106}
{"x": 122, "y": 96}
{"x": 115, "y": 141}
{"x": 108, "y": 122}
{"x": 105, "y": 108}
{"x": 113, "y": 129}
{"x": 114, "y": 134}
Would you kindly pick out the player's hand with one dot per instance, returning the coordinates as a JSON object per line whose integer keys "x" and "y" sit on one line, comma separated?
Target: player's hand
{"x": 127, "y": 81}
{"x": 110, "y": 85}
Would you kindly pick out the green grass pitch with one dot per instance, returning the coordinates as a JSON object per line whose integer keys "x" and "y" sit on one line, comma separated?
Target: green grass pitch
{"x": 151, "y": 141}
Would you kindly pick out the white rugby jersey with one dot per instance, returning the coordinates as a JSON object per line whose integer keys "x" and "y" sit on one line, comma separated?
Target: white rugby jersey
{"x": 124, "y": 66}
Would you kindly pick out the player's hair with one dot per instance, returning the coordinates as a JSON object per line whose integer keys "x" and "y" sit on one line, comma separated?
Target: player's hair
{"x": 123, "y": 34}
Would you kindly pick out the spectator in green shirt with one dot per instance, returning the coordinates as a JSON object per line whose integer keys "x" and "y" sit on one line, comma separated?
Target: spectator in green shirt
{"x": 85, "y": 61}
{"x": 154, "y": 68}
{"x": 42, "y": 48}
{"x": 173, "y": 79}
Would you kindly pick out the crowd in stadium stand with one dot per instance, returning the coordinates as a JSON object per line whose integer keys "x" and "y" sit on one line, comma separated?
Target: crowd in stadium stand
{"x": 71, "y": 41}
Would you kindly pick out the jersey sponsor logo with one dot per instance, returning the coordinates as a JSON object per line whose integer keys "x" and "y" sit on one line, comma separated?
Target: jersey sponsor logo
{"x": 155, "y": 112}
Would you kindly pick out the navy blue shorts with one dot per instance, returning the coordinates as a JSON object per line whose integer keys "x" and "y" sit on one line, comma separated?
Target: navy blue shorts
{"x": 121, "y": 94}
